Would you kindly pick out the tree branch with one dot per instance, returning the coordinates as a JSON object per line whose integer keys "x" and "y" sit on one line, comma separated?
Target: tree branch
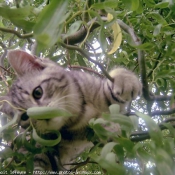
{"x": 81, "y": 34}
{"x": 155, "y": 65}
{"x": 22, "y": 36}
{"x": 141, "y": 60}
{"x": 86, "y": 55}
{"x": 2, "y": 57}
{"x": 168, "y": 112}
{"x": 85, "y": 68}
{"x": 143, "y": 135}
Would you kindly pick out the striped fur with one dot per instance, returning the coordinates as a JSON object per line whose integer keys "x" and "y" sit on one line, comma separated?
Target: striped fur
{"x": 83, "y": 95}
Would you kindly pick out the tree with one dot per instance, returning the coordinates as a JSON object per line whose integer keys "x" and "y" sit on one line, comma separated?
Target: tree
{"x": 95, "y": 36}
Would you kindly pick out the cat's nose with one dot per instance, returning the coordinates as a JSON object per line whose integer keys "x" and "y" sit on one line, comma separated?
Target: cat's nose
{"x": 24, "y": 121}
{"x": 24, "y": 117}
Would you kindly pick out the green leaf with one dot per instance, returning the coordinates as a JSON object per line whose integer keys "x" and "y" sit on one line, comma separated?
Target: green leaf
{"x": 170, "y": 127}
{"x": 81, "y": 61}
{"x": 145, "y": 46}
{"x": 162, "y": 5}
{"x": 165, "y": 74}
{"x": 101, "y": 132}
{"x": 6, "y": 153}
{"x": 73, "y": 28}
{"x": 153, "y": 129}
{"x": 144, "y": 153}
{"x": 46, "y": 112}
{"x": 19, "y": 16}
{"x": 30, "y": 164}
{"x": 45, "y": 142}
{"x": 135, "y": 121}
{"x": 157, "y": 29}
{"x": 114, "y": 109}
{"x": 164, "y": 162}
{"x": 111, "y": 167}
{"x": 107, "y": 148}
{"x": 12, "y": 122}
{"x": 24, "y": 24}
{"x": 50, "y": 24}
{"x": 119, "y": 150}
{"x": 105, "y": 4}
{"x": 102, "y": 39}
{"x": 98, "y": 121}
{"x": 122, "y": 120}
{"x": 21, "y": 141}
{"x": 135, "y": 5}
{"x": 159, "y": 19}
{"x": 132, "y": 5}
{"x": 140, "y": 8}
{"x": 111, "y": 157}
{"x": 18, "y": 13}
{"x": 126, "y": 143}
{"x": 149, "y": 3}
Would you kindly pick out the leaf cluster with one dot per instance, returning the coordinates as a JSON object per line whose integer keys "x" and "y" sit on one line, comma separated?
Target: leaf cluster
{"x": 79, "y": 35}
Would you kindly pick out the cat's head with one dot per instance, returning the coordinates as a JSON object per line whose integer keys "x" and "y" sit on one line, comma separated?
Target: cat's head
{"x": 36, "y": 84}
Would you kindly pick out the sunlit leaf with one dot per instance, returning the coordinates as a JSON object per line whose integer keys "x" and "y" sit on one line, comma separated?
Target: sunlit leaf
{"x": 153, "y": 128}
{"x": 50, "y": 24}
{"x": 12, "y": 122}
{"x": 107, "y": 148}
{"x": 157, "y": 29}
{"x": 111, "y": 167}
{"x": 46, "y": 112}
{"x": 134, "y": 121}
{"x": 117, "y": 35}
{"x": 114, "y": 109}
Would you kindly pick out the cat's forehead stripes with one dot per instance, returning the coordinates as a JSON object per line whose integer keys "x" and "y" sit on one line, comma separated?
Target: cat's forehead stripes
{"x": 53, "y": 85}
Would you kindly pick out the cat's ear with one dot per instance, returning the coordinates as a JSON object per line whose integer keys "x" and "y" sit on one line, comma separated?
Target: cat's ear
{"x": 22, "y": 62}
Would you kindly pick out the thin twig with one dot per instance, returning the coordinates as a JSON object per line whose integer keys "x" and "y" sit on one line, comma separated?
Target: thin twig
{"x": 81, "y": 164}
{"x": 143, "y": 135}
{"x": 7, "y": 70}
{"x": 85, "y": 54}
{"x": 22, "y": 36}
{"x": 85, "y": 68}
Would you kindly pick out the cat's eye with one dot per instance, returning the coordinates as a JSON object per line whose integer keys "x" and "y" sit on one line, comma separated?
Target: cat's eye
{"x": 37, "y": 93}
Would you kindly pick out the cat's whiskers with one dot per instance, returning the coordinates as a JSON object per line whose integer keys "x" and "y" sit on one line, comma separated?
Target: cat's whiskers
{"x": 58, "y": 99}
{"x": 69, "y": 103}
{"x": 62, "y": 102}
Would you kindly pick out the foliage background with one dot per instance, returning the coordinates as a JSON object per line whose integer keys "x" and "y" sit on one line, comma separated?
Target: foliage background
{"x": 78, "y": 35}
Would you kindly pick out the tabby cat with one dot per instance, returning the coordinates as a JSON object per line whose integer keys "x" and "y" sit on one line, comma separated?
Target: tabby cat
{"x": 41, "y": 82}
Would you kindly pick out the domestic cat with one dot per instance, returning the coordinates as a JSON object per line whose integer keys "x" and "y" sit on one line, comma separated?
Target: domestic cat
{"x": 42, "y": 82}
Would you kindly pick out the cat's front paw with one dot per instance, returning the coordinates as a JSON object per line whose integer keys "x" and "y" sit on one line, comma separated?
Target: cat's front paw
{"x": 126, "y": 85}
